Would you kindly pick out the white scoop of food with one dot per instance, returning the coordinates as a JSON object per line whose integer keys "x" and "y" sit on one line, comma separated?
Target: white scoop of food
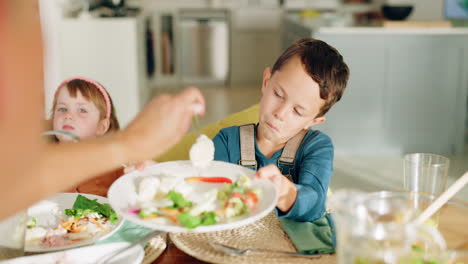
{"x": 202, "y": 152}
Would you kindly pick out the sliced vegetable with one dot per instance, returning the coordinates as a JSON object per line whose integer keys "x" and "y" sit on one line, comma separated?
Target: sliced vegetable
{"x": 99, "y": 224}
{"x": 250, "y": 199}
{"x": 32, "y": 222}
{"x": 133, "y": 211}
{"x": 234, "y": 205}
{"x": 144, "y": 214}
{"x": 209, "y": 179}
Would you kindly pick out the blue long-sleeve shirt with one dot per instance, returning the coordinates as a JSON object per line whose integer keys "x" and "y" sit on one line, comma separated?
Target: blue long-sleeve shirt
{"x": 311, "y": 173}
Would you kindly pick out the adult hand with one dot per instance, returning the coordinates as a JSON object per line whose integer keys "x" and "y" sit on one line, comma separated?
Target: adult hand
{"x": 287, "y": 191}
{"x": 161, "y": 124}
{"x": 132, "y": 166}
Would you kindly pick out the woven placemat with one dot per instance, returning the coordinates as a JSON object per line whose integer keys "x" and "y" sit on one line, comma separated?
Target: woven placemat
{"x": 265, "y": 234}
{"x": 154, "y": 249}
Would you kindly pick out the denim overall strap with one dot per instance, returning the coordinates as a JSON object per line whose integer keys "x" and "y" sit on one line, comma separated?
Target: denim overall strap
{"x": 286, "y": 161}
{"x": 247, "y": 146}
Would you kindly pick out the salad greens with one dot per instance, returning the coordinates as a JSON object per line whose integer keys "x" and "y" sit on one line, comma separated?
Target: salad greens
{"x": 233, "y": 199}
{"x": 189, "y": 221}
{"x": 32, "y": 222}
{"x": 178, "y": 199}
{"x": 84, "y": 206}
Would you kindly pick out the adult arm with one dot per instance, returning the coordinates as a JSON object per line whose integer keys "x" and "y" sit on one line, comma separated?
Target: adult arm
{"x": 159, "y": 126}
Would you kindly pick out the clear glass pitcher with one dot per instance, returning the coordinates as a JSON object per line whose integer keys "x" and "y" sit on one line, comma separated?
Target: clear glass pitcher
{"x": 378, "y": 228}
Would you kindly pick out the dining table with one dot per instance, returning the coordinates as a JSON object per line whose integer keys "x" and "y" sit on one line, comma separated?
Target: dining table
{"x": 452, "y": 225}
{"x": 172, "y": 254}
{"x": 100, "y": 184}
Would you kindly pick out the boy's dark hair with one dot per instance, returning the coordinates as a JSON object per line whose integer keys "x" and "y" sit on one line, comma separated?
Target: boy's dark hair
{"x": 325, "y": 66}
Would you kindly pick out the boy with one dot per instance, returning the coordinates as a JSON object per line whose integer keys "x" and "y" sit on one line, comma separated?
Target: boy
{"x": 305, "y": 81}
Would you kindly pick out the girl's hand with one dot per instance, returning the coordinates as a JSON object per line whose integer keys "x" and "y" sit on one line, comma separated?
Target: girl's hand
{"x": 138, "y": 166}
{"x": 287, "y": 191}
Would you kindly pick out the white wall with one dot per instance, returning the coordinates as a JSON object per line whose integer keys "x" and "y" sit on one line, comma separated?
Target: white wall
{"x": 50, "y": 13}
{"x": 428, "y": 10}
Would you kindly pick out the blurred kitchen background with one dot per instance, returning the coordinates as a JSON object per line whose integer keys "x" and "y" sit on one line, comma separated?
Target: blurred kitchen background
{"x": 408, "y": 59}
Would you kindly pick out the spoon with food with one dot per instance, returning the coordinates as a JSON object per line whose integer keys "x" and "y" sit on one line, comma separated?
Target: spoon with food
{"x": 202, "y": 151}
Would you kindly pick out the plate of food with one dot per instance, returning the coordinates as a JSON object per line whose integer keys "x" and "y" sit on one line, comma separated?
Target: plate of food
{"x": 178, "y": 197}
{"x": 69, "y": 220}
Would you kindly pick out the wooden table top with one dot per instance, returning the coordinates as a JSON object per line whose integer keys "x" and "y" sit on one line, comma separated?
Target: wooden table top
{"x": 99, "y": 185}
{"x": 452, "y": 218}
{"x": 174, "y": 255}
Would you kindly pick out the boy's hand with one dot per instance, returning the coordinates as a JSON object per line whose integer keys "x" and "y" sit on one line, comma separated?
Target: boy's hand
{"x": 287, "y": 191}
{"x": 138, "y": 166}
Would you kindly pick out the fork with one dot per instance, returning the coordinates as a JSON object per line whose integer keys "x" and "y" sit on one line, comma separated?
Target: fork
{"x": 232, "y": 251}
{"x": 112, "y": 255}
{"x": 196, "y": 124}
{"x": 62, "y": 132}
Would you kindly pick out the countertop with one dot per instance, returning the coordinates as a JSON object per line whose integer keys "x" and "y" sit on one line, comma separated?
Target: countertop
{"x": 320, "y": 25}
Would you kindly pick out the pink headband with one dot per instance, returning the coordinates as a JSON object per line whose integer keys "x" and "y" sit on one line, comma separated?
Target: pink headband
{"x": 100, "y": 88}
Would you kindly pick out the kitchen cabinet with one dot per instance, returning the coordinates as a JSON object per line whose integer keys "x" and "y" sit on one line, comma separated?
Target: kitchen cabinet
{"x": 407, "y": 90}
{"x": 112, "y": 52}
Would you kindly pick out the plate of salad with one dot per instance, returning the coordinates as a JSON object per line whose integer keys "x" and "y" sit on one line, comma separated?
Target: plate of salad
{"x": 178, "y": 197}
{"x": 69, "y": 220}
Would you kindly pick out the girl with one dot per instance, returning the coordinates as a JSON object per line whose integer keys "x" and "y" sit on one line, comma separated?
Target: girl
{"x": 83, "y": 107}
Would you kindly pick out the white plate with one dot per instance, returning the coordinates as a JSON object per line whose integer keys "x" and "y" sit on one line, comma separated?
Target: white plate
{"x": 122, "y": 193}
{"x": 42, "y": 212}
{"x": 86, "y": 255}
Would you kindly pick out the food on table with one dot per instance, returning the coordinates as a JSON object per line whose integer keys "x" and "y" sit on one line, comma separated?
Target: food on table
{"x": 86, "y": 219}
{"x": 209, "y": 179}
{"x": 173, "y": 200}
{"x": 202, "y": 152}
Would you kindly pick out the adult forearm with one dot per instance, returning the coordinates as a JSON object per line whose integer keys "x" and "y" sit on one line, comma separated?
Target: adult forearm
{"x": 33, "y": 174}
{"x": 64, "y": 165}
{"x": 59, "y": 167}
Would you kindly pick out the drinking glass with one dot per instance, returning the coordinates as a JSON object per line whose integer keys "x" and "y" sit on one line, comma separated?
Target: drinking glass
{"x": 12, "y": 236}
{"x": 425, "y": 173}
